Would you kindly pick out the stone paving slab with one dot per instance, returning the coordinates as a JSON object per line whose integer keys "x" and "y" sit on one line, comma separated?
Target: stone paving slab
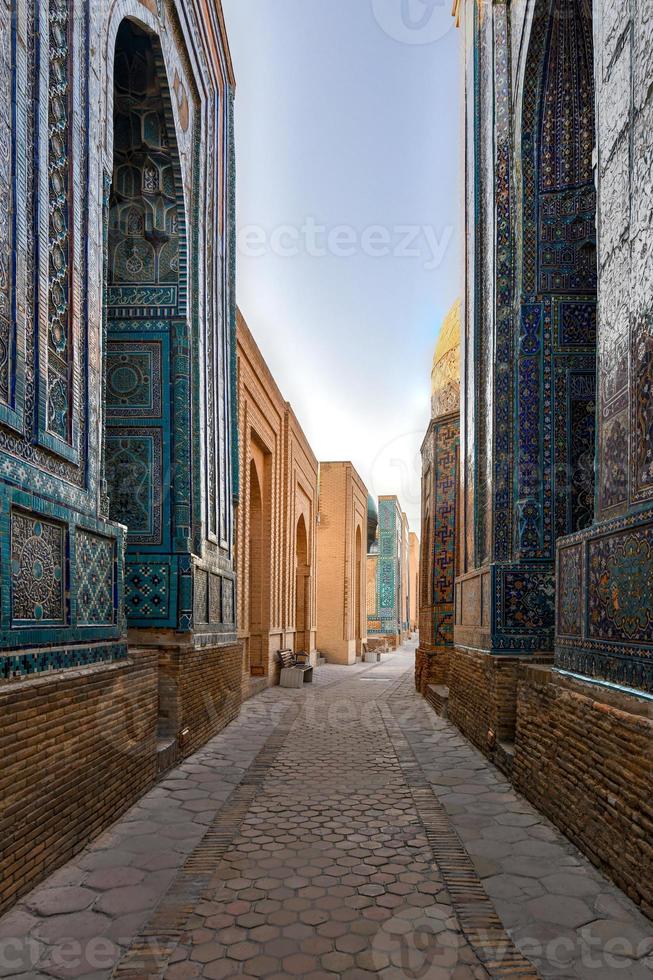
{"x": 84, "y": 916}
{"x": 561, "y": 912}
{"x": 302, "y": 840}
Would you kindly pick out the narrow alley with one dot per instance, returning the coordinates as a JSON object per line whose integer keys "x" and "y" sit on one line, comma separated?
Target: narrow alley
{"x": 341, "y": 829}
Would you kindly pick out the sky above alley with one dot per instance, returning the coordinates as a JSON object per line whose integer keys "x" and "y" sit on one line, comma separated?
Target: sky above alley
{"x": 348, "y": 198}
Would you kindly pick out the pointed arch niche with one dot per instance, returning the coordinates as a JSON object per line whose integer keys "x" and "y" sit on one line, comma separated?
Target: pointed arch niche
{"x": 556, "y": 365}
{"x": 145, "y": 309}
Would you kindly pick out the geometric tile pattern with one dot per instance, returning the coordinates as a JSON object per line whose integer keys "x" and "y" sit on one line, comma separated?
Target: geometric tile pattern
{"x": 134, "y": 381}
{"x": 16, "y": 665}
{"x": 147, "y": 590}
{"x": 95, "y": 577}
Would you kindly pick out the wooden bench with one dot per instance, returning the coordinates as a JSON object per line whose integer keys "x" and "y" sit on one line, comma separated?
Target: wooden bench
{"x": 296, "y": 669}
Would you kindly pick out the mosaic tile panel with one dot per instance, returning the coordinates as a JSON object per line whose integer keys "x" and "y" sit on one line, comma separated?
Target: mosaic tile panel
{"x": 17, "y": 665}
{"x": 95, "y": 557}
{"x": 134, "y": 466}
{"x": 620, "y": 583}
{"x": 134, "y": 379}
{"x": 201, "y": 596}
{"x": 614, "y": 462}
{"x": 569, "y": 586}
{"x": 618, "y": 666}
{"x": 503, "y": 449}
{"x": 227, "y": 600}
{"x": 38, "y": 561}
{"x": 527, "y": 600}
{"x": 615, "y": 640}
{"x": 147, "y": 590}
{"x": 445, "y": 482}
{"x": 387, "y": 568}
{"x": 642, "y": 408}
{"x": 215, "y": 599}
{"x": 556, "y": 398}
{"x": 61, "y": 55}
{"x": 7, "y": 70}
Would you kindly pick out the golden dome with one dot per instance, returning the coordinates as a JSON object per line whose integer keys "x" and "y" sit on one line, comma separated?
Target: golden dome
{"x": 445, "y": 373}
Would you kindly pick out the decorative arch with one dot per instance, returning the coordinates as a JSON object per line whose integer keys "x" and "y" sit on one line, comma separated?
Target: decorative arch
{"x": 302, "y": 589}
{"x": 255, "y": 584}
{"x": 556, "y": 335}
{"x": 358, "y": 588}
{"x": 147, "y": 371}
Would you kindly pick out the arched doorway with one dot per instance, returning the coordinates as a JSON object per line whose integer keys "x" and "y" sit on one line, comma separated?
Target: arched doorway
{"x": 358, "y": 571}
{"x": 556, "y": 371}
{"x": 302, "y": 589}
{"x": 256, "y": 574}
{"x": 145, "y": 311}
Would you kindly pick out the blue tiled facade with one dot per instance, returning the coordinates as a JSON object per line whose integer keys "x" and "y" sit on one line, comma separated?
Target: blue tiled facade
{"x": 116, "y": 329}
{"x": 557, "y": 410}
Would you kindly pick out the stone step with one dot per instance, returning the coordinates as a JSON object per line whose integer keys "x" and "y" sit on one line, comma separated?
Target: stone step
{"x": 167, "y": 752}
{"x": 256, "y": 686}
{"x": 437, "y": 696}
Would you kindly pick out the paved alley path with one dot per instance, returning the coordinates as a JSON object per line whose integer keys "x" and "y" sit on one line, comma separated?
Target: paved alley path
{"x": 340, "y": 830}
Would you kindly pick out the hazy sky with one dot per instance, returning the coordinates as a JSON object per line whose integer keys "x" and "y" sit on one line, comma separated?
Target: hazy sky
{"x": 349, "y": 169}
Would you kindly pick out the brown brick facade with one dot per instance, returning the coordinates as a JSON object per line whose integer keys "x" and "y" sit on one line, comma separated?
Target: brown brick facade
{"x": 275, "y": 519}
{"x": 78, "y": 748}
{"x": 483, "y": 696}
{"x": 205, "y": 691}
{"x": 584, "y": 757}
{"x": 431, "y": 667}
{"x": 342, "y": 561}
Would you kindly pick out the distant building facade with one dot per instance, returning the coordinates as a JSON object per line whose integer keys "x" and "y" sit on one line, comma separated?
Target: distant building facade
{"x": 413, "y": 548}
{"x": 341, "y": 564}
{"x": 440, "y": 475}
{"x": 276, "y": 520}
{"x": 388, "y": 573}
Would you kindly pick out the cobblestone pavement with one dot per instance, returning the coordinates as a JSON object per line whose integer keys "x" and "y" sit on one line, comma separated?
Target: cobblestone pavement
{"x": 340, "y": 830}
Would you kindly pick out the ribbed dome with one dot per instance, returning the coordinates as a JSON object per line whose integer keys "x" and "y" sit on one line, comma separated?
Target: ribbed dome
{"x": 445, "y": 373}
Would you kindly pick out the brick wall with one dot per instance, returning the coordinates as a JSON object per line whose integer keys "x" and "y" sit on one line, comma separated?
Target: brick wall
{"x": 272, "y": 441}
{"x": 342, "y": 572}
{"x": 431, "y": 667}
{"x": 78, "y": 748}
{"x": 483, "y": 696}
{"x": 206, "y": 690}
{"x": 588, "y": 765}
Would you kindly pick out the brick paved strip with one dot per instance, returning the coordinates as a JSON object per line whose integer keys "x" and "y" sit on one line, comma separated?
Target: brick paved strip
{"x": 476, "y": 913}
{"x": 150, "y": 953}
